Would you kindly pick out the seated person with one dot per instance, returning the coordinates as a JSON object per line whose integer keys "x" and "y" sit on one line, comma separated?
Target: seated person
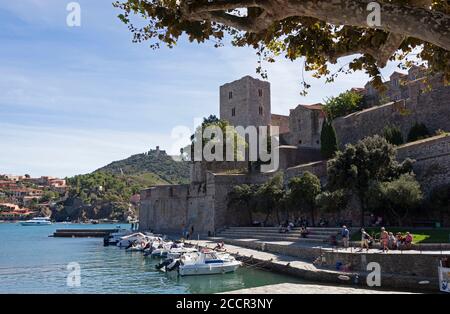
{"x": 392, "y": 241}
{"x": 408, "y": 240}
{"x": 400, "y": 240}
{"x": 303, "y": 232}
{"x": 219, "y": 246}
{"x": 282, "y": 229}
{"x": 290, "y": 226}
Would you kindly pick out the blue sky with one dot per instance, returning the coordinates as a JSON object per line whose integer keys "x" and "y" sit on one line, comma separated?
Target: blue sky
{"x": 75, "y": 99}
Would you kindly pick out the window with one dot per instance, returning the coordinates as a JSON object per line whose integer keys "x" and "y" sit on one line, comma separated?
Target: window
{"x": 260, "y": 110}
{"x": 230, "y": 95}
{"x": 233, "y": 112}
{"x": 260, "y": 92}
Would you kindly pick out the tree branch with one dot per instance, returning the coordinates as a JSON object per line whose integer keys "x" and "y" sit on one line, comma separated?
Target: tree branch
{"x": 409, "y": 21}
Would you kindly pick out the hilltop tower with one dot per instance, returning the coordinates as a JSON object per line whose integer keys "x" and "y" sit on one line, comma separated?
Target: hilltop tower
{"x": 246, "y": 102}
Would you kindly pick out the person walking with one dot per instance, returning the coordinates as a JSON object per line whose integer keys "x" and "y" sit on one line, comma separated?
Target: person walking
{"x": 384, "y": 240}
{"x": 365, "y": 238}
{"x": 345, "y": 236}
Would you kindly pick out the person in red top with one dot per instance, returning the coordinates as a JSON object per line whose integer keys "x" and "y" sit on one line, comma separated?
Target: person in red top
{"x": 408, "y": 240}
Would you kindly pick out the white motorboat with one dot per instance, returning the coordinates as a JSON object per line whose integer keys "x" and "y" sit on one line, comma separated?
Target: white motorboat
{"x": 127, "y": 240}
{"x": 206, "y": 262}
{"x": 176, "y": 253}
{"x": 161, "y": 249}
{"x": 115, "y": 237}
{"x": 37, "y": 221}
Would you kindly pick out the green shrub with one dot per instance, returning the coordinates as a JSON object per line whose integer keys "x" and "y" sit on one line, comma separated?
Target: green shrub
{"x": 393, "y": 135}
{"x": 418, "y": 131}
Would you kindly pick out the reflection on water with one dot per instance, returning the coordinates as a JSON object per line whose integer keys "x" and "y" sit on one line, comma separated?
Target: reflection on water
{"x": 32, "y": 262}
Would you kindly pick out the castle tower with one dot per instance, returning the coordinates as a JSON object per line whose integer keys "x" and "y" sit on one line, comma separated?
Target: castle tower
{"x": 246, "y": 102}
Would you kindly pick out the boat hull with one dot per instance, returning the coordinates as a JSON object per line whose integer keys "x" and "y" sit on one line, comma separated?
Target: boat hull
{"x": 211, "y": 269}
{"x": 24, "y": 223}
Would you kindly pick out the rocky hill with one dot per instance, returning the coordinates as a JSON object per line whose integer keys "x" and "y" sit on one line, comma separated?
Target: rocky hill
{"x": 109, "y": 192}
{"x": 155, "y": 163}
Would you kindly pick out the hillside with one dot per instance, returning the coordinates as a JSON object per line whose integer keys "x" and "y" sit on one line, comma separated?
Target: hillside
{"x": 107, "y": 192}
{"x": 155, "y": 166}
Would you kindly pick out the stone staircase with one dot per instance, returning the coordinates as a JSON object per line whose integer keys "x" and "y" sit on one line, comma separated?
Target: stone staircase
{"x": 316, "y": 235}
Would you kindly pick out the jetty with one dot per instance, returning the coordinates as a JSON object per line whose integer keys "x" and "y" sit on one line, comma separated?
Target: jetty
{"x": 83, "y": 233}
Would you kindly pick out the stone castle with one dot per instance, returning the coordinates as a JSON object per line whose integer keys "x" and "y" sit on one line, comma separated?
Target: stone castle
{"x": 408, "y": 99}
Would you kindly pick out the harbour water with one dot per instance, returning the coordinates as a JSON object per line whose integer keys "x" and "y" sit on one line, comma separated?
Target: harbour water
{"x": 33, "y": 262}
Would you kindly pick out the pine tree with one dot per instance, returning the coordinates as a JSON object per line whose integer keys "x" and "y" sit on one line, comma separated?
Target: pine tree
{"x": 328, "y": 140}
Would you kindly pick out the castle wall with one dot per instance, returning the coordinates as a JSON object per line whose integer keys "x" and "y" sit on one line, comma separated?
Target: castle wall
{"x": 432, "y": 165}
{"x": 432, "y": 109}
{"x": 318, "y": 168}
{"x": 282, "y": 122}
{"x": 292, "y": 155}
{"x": 219, "y": 186}
{"x": 170, "y": 209}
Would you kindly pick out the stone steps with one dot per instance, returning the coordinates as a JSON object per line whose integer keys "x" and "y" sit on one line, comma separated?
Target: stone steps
{"x": 273, "y": 236}
{"x": 273, "y": 232}
{"x": 316, "y": 235}
{"x": 262, "y": 238}
{"x": 276, "y": 229}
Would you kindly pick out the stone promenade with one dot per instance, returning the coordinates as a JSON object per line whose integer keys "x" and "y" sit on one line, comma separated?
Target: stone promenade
{"x": 292, "y": 288}
{"x": 297, "y": 260}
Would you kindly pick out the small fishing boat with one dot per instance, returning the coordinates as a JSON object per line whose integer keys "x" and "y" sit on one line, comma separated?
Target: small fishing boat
{"x": 37, "y": 221}
{"x": 206, "y": 262}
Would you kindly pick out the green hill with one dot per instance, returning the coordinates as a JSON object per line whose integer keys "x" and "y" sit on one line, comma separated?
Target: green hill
{"x": 154, "y": 167}
{"x": 107, "y": 192}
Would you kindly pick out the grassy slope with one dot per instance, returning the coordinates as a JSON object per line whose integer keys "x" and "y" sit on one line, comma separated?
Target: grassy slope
{"x": 420, "y": 235}
{"x": 153, "y": 168}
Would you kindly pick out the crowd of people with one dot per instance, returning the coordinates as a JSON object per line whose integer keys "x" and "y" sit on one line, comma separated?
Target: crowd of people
{"x": 388, "y": 241}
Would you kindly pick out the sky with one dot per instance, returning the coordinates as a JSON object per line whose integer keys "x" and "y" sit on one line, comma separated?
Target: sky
{"x": 73, "y": 99}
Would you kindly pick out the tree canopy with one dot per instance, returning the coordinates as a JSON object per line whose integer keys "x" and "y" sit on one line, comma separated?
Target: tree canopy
{"x": 370, "y": 160}
{"x": 322, "y": 31}
{"x": 303, "y": 191}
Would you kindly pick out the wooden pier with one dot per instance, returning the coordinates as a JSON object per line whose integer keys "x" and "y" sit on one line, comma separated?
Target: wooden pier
{"x": 83, "y": 233}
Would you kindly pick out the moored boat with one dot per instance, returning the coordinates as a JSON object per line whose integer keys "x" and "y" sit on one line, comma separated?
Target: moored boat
{"x": 37, "y": 221}
{"x": 206, "y": 262}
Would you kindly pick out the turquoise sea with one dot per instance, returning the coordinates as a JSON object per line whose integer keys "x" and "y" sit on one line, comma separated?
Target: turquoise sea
{"x": 33, "y": 262}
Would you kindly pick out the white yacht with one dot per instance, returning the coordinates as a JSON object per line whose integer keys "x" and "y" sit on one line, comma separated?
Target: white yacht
{"x": 206, "y": 262}
{"x": 37, "y": 221}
